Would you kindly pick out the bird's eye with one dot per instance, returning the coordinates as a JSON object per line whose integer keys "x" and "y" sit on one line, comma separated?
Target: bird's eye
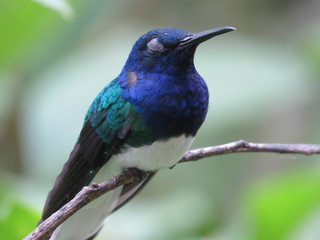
{"x": 154, "y": 46}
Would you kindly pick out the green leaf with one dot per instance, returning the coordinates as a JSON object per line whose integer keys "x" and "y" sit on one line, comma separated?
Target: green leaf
{"x": 16, "y": 219}
{"x": 26, "y": 28}
{"x": 278, "y": 207}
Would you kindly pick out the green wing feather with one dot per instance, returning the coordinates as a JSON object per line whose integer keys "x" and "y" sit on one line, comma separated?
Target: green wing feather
{"x": 109, "y": 123}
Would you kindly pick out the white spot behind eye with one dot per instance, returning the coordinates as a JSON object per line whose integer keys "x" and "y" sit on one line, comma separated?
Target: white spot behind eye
{"x": 154, "y": 46}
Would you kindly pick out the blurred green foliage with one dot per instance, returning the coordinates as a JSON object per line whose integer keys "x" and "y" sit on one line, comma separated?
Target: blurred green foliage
{"x": 55, "y": 56}
{"x": 281, "y": 204}
{"x": 16, "y": 218}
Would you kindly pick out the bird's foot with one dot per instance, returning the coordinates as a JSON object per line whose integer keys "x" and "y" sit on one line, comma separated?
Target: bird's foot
{"x": 139, "y": 173}
{"x": 94, "y": 185}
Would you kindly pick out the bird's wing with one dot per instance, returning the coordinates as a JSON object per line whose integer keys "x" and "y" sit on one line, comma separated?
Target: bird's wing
{"x": 106, "y": 127}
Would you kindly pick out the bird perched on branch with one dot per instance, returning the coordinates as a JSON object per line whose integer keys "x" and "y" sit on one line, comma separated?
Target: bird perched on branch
{"x": 146, "y": 118}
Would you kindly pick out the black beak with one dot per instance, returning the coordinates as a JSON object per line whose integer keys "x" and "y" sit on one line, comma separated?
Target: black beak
{"x": 197, "y": 38}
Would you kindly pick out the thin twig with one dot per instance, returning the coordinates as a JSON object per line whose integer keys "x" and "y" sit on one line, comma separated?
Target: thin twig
{"x": 244, "y": 146}
{"x": 90, "y": 193}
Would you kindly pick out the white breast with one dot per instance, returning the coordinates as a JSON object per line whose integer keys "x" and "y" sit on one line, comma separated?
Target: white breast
{"x": 158, "y": 155}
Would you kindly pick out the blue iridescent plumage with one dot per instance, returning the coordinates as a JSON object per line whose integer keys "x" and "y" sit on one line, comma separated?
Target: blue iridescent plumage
{"x": 145, "y": 118}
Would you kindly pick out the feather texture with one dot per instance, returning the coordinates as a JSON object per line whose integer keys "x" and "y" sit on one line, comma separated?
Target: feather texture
{"x": 146, "y": 118}
{"x": 100, "y": 138}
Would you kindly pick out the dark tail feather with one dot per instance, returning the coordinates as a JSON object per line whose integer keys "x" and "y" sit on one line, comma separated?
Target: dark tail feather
{"x": 130, "y": 190}
{"x": 75, "y": 174}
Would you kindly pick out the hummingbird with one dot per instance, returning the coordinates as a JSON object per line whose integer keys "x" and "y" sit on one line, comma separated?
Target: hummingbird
{"x": 146, "y": 118}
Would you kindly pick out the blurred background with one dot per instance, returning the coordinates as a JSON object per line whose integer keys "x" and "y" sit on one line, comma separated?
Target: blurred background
{"x": 55, "y": 56}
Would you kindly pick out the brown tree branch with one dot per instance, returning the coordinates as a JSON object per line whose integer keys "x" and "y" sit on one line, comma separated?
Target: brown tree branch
{"x": 244, "y": 146}
{"x": 90, "y": 193}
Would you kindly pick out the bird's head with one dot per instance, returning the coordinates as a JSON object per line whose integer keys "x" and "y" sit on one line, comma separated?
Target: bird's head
{"x": 160, "y": 50}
